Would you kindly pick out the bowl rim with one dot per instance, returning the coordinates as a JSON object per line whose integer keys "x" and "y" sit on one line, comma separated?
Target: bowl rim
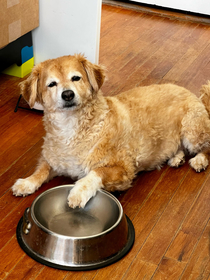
{"x": 50, "y": 232}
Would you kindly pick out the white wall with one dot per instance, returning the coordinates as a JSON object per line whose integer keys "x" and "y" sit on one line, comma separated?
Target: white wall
{"x": 67, "y": 27}
{"x": 195, "y": 6}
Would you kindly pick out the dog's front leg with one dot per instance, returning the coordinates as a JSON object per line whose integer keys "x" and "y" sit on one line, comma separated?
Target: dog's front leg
{"x": 110, "y": 178}
{"x": 29, "y": 185}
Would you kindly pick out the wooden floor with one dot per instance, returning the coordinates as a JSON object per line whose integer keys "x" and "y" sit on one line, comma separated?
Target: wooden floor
{"x": 170, "y": 208}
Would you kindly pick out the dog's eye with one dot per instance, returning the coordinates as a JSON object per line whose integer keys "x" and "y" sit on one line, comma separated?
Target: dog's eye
{"x": 75, "y": 78}
{"x": 52, "y": 84}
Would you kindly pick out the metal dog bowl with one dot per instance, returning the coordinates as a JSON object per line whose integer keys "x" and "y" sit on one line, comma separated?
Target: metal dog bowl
{"x": 56, "y": 235}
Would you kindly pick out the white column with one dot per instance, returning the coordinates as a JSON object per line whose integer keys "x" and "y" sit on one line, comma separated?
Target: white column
{"x": 67, "y": 27}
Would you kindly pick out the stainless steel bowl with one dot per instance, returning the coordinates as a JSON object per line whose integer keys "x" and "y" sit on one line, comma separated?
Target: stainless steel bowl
{"x": 75, "y": 239}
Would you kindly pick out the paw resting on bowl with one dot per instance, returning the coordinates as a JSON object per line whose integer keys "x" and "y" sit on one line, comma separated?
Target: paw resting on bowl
{"x": 83, "y": 190}
{"x": 80, "y": 195}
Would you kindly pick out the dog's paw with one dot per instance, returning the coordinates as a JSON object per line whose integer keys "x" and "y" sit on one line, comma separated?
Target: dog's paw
{"x": 23, "y": 187}
{"x": 79, "y": 196}
{"x": 177, "y": 160}
{"x": 199, "y": 162}
{"x": 84, "y": 189}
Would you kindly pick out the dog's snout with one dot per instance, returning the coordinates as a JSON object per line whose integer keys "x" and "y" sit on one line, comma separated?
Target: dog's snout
{"x": 68, "y": 95}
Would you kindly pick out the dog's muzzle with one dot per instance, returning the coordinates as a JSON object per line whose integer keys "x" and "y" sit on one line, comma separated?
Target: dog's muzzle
{"x": 68, "y": 97}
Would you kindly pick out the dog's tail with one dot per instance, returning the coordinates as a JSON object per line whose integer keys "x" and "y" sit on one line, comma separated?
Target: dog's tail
{"x": 205, "y": 96}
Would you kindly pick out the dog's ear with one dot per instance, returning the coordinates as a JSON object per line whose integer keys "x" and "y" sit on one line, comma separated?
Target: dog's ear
{"x": 95, "y": 73}
{"x": 30, "y": 87}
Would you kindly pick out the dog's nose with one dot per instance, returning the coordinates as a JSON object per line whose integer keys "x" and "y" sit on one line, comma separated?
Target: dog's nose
{"x": 67, "y": 95}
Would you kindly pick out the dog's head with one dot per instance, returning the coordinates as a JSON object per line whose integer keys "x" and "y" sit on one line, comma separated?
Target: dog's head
{"x": 64, "y": 83}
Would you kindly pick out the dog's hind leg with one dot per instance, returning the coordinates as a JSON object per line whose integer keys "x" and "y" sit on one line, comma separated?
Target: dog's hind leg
{"x": 200, "y": 147}
{"x": 29, "y": 185}
{"x": 196, "y": 139}
{"x": 177, "y": 160}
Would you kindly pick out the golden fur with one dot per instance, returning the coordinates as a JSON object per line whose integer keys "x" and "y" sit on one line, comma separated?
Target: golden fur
{"x": 105, "y": 141}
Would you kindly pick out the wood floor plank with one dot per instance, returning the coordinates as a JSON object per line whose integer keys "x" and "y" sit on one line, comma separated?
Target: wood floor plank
{"x": 158, "y": 64}
{"x": 8, "y": 85}
{"x": 19, "y": 130}
{"x": 19, "y": 169}
{"x": 117, "y": 270}
{"x": 200, "y": 62}
{"x": 176, "y": 72}
{"x": 148, "y": 26}
{"x": 124, "y": 38}
{"x": 133, "y": 199}
{"x": 9, "y": 256}
{"x": 113, "y": 16}
{"x": 129, "y": 35}
{"x": 8, "y": 116}
{"x": 115, "y": 13}
{"x": 169, "y": 269}
{"x": 7, "y": 110}
{"x": 142, "y": 60}
{"x": 192, "y": 228}
{"x": 199, "y": 265}
{"x": 20, "y": 147}
{"x": 81, "y": 275}
{"x": 159, "y": 239}
{"x": 155, "y": 204}
{"x": 176, "y": 51}
{"x": 153, "y": 68}
{"x": 201, "y": 77}
{"x": 188, "y": 58}
{"x": 48, "y": 273}
{"x": 26, "y": 269}
{"x": 140, "y": 270}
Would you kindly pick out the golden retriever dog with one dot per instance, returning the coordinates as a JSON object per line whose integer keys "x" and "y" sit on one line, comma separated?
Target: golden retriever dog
{"x": 105, "y": 141}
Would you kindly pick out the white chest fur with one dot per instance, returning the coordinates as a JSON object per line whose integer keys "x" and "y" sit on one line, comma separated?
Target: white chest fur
{"x": 60, "y": 147}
